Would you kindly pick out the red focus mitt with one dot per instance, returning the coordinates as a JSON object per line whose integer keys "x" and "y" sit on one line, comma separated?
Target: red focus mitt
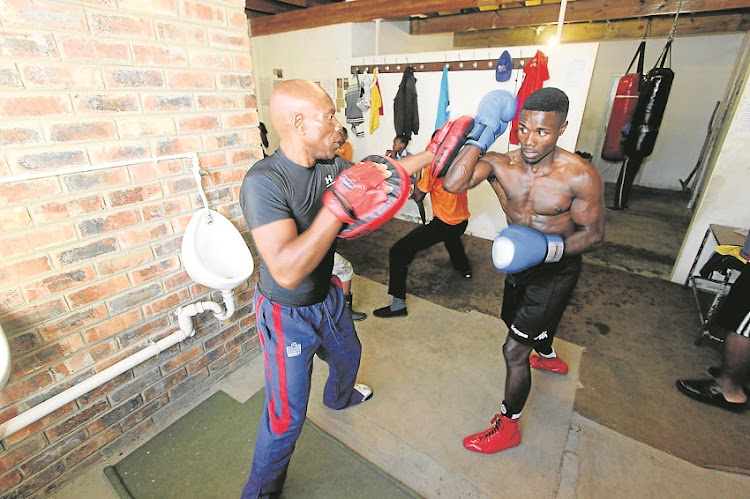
{"x": 446, "y": 143}
{"x": 357, "y": 197}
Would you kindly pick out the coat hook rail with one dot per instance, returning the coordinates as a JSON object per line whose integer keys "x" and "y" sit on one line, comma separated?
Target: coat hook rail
{"x": 468, "y": 65}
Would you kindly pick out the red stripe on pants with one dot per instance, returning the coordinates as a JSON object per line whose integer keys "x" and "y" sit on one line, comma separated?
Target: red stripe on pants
{"x": 279, "y": 424}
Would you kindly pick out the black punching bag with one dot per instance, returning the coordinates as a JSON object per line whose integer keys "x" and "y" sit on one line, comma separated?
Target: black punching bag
{"x": 649, "y": 111}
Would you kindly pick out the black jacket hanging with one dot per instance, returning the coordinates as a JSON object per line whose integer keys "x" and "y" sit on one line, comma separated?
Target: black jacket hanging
{"x": 405, "y": 109}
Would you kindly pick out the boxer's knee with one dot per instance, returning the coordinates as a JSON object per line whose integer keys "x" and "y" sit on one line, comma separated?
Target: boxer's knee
{"x": 515, "y": 353}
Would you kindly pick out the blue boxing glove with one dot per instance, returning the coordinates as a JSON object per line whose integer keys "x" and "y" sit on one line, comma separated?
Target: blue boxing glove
{"x": 517, "y": 248}
{"x": 495, "y": 111}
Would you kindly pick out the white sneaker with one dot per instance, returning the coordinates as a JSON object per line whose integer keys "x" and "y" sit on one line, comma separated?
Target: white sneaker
{"x": 365, "y": 390}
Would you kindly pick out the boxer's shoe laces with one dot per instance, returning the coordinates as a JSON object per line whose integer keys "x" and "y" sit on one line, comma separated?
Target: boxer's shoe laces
{"x": 495, "y": 422}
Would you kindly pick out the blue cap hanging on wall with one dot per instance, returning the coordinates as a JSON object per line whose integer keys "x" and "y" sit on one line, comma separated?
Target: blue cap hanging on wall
{"x": 504, "y": 67}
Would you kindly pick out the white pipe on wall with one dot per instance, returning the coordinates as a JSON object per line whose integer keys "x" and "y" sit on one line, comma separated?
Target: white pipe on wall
{"x": 184, "y": 315}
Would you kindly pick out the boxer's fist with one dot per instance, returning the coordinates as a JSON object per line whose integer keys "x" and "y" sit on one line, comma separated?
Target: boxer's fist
{"x": 496, "y": 109}
{"x": 446, "y": 142}
{"x": 357, "y": 190}
{"x": 517, "y": 248}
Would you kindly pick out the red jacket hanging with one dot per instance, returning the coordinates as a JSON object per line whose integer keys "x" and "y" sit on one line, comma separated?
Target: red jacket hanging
{"x": 535, "y": 74}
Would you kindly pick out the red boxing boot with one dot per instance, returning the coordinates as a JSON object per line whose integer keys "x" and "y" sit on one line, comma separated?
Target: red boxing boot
{"x": 554, "y": 365}
{"x": 503, "y": 434}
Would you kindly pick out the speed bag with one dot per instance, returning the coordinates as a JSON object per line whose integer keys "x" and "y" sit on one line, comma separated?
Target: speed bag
{"x": 623, "y": 108}
{"x": 649, "y": 112}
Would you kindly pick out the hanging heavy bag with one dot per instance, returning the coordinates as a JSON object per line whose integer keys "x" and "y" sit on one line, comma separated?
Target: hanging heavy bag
{"x": 623, "y": 107}
{"x": 649, "y": 111}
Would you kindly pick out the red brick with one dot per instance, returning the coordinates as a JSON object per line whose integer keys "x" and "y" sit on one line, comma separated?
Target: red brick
{"x": 170, "y": 301}
{"x": 213, "y": 159}
{"x": 85, "y": 252}
{"x": 122, "y": 151}
{"x": 124, "y": 260}
{"x": 98, "y": 291}
{"x": 22, "y": 45}
{"x": 38, "y": 105}
{"x": 39, "y": 238}
{"x": 139, "y": 127}
{"x": 145, "y": 331}
{"x": 238, "y": 20}
{"x": 112, "y": 327}
{"x": 225, "y": 360}
{"x": 241, "y": 120}
{"x": 190, "y": 80}
{"x": 59, "y": 282}
{"x": 9, "y": 479}
{"x": 171, "y": 246}
{"x": 20, "y": 453}
{"x": 105, "y": 103}
{"x": 44, "y": 15}
{"x": 198, "y": 123}
{"x": 153, "y": 55}
{"x": 76, "y": 321}
{"x": 133, "y": 78}
{"x": 143, "y": 234}
{"x": 176, "y": 281}
{"x": 149, "y": 192}
{"x": 20, "y": 135}
{"x": 61, "y": 77}
{"x": 155, "y": 271}
{"x": 62, "y": 348}
{"x": 76, "y": 421}
{"x": 36, "y": 428}
{"x": 173, "y": 102}
{"x": 50, "y": 159}
{"x": 121, "y": 26}
{"x": 210, "y": 60}
{"x": 166, "y": 7}
{"x": 181, "y": 32}
{"x": 250, "y": 101}
{"x": 32, "y": 316}
{"x": 90, "y": 446}
{"x": 236, "y": 82}
{"x": 221, "y": 39}
{"x": 158, "y": 169}
{"x": 166, "y": 208}
{"x": 144, "y": 412}
{"x": 24, "y": 342}
{"x": 9, "y": 77}
{"x": 165, "y": 384}
{"x": 96, "y": 180}
{"x": 183, "y": 358}
{"x": 88, "y": 131}
{"x": 60, "y": 210}
{"x": 17, "y": 390}
{"x": 199, "y": 11}
{"x": 77, "y": 47}
{"x": 221, "y": 177}
{"x": 53, "y": 453}
{"x": 135, "y": 298}
{"x": 244, "y": 156}
{"x": 14, "y": 219}
{"x": 178, "y": 145}
{"x": 218, "y": 102}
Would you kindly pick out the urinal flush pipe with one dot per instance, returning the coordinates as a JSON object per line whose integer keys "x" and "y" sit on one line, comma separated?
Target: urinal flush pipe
{"x": 185, "y": 314}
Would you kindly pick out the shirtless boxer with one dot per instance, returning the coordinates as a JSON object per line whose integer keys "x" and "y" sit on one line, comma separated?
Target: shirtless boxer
{"x": 553, "y": 203}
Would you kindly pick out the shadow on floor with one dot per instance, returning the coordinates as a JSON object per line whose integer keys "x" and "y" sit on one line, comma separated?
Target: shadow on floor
{"x": 636, "y": 326}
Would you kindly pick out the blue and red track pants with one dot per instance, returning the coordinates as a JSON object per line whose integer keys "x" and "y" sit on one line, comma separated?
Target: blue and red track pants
{"x": 290, "y": 337}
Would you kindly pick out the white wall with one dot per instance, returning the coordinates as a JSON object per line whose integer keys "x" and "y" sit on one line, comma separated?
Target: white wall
{"x": 725, "y": 198}
{"x": 702, "y": 66}
{"x": 394, "y": 39}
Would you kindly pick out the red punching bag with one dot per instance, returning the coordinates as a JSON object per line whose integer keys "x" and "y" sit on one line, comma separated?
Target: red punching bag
{"x": 623, "y": 107}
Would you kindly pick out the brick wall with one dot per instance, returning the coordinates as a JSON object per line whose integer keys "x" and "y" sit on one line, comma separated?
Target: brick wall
{"x": 90, "y": 268}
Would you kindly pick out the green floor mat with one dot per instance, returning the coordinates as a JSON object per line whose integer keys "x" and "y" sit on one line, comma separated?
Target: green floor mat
{"x": 207, "y": 454}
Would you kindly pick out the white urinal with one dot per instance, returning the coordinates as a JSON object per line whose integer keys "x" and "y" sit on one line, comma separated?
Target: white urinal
{"x": 4, "y": 359}
{"x": 214, "y": 253}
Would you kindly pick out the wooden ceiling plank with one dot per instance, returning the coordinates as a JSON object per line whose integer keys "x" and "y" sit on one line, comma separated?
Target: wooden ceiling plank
{"x": 359, "y": 11}
{"x": 636, "y": 28}
{"x": 579, "y": 11}
{"x": 268, "y": 6}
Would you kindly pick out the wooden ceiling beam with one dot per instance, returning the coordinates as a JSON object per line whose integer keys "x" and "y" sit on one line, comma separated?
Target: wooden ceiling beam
{"x": 268, "y": 7}
{"x": 579, "y": 11}
{"x": 595, "y": 31}
{"x": 359, "y": 11}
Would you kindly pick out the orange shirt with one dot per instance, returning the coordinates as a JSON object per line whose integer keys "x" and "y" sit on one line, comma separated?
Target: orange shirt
{"x": 346, "y": 151}
{"x": 450, "y": 208}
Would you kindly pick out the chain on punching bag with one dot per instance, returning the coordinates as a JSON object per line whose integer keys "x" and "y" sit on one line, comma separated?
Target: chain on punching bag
{"x": 623, "y": 107}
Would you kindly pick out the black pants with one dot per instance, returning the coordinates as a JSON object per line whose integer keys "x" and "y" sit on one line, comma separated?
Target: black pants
{"x": 403, "y": 252}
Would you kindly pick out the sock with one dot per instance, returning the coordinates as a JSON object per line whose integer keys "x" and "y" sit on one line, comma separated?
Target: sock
{"x": 508, "y": 413}
{"x": 550, "y": 355}
{"x": 398, "y": 304}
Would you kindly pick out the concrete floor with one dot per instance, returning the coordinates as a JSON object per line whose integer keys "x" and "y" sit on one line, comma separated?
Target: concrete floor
{"x": 437, "y": 377}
